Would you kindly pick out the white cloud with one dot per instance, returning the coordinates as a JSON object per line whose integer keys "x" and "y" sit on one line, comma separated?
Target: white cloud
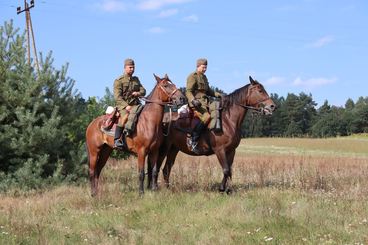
{"x": 111, "y": 6}
{"x": 313, "y": 82}
{"x": 322, "y": 41}
{"x": 191, "y": 18}
{"x": 123, "y": 5}
{"x": 168, "y": 13}
{"x": 157, "y": 4}
{"x": 275, "y": 81}
{"x": 156, "y": 30}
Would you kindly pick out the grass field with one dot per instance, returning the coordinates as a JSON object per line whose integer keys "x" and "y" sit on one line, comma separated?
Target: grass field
{"x": 286, "y": 191}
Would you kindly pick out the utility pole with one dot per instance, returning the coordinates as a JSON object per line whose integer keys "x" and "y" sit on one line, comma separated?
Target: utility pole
{"x": 29, "y": 29}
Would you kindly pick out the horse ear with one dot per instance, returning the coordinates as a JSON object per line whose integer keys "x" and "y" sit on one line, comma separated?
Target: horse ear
{"x": 157, "y": 78}
{"x": 251, "y": 80}
{"x": 166, "y": 77}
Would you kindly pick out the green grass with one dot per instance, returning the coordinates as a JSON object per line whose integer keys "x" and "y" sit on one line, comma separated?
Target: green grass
{"x": 300, "y": 197}
{"x": 265, "y": 215}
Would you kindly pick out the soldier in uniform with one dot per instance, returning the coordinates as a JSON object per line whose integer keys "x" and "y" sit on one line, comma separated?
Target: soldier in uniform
{"x": 197, "y": 92}
{"x": 127, "y": 90}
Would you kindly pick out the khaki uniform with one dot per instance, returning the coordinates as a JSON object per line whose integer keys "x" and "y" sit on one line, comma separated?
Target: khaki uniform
{"x": 198, "y": 88}
{"x": 124, "y": 86}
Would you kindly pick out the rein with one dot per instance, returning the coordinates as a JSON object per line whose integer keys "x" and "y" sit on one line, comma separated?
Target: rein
{"x": 169, "y": 103}
{"x": 259, "y": 110}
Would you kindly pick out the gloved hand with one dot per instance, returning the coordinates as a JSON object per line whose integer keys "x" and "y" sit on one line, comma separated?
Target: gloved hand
{"x": 196, "y": 103}
{"x": 218, "y": 95}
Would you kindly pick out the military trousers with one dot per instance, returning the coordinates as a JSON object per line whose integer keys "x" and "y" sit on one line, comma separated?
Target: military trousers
{"x": 203, "y": 114}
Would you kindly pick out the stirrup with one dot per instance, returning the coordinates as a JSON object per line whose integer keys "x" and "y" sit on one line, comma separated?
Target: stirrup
{"x": 127, "y": 132}
{"x": 119, "y": 144}
{"x": 193, "y": 145}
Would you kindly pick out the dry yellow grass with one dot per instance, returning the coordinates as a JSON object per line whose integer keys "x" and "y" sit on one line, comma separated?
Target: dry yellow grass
{"x": 305, "y": 172}
{"x": 315, "y": 194}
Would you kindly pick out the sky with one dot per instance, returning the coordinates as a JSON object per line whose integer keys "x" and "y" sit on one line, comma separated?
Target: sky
{"x": 318, "y": 47}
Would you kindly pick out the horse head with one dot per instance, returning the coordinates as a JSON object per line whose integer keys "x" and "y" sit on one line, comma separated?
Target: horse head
{"x": 258, "y": 98}
{"x": 168, "y": 91}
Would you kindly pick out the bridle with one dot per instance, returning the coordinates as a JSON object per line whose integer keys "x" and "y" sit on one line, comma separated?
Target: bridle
{"x": 162, "y": 103}
{"x": 169, "y": 95}
{"x": 254, "y": 108}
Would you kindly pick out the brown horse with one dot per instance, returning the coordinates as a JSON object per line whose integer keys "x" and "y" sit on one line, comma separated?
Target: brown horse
{"x": 235, "y": 105}
{"x": 144, "y": 141}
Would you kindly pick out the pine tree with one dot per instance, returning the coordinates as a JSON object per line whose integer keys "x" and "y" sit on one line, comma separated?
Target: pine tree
{"x": 37, "y": 115}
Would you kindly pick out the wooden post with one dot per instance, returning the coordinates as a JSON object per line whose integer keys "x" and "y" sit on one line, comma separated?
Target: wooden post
{"x": 29, "y": 30}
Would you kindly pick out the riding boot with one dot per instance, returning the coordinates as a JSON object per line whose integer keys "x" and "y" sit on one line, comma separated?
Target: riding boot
{"x": 117, "y": 141}
{"x": 199, "y": 127}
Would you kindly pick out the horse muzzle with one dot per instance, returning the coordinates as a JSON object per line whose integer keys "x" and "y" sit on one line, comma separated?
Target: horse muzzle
{"x": 268, "y": 109}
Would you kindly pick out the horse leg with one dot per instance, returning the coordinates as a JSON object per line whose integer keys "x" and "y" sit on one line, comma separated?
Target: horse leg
{"x": 160, "y": 158}
{"x": 103, "y": 155}
{"x": 92, "y": 158}
{"x": 221, "y": 156}
{"x": 230, "y": 160}
{"x": 102, "y": 159}
{"x": 141, "y": 158}
{"x": 154, "y": 173}
{"x": 149, "y": 173}
{"x": 170, "y": 160}
{"x": 97, "y": 160}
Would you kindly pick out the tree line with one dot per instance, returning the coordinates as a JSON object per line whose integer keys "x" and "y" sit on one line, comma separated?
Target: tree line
{"x": 297, "y": 116}
{"x": 43, "y": 119}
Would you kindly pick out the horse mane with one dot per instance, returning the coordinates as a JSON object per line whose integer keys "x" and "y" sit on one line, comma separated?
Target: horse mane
{"x": 150, "y": 94}
{"x": 234, "y": 97}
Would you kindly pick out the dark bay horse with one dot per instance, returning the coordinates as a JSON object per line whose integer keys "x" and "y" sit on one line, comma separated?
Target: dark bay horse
{"x": 234, "y": 108}
{"x": 145, "y": 140}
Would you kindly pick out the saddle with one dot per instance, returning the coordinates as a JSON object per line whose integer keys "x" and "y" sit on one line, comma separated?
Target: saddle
{"x": 111, "y": 119}
{"x": 185, "y": 120}
{"x": 188, "y": 118}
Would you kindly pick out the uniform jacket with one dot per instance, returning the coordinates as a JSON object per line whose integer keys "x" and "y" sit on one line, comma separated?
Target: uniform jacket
{"x": 198, "y": 88}
{"x": 124, "y": 86}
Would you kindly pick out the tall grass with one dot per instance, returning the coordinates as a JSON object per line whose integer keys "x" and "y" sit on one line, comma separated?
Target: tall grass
{"x": 304, "y": 197}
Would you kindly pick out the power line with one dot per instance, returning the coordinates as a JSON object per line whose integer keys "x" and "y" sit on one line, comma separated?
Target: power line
{"x": 29, "y": 30}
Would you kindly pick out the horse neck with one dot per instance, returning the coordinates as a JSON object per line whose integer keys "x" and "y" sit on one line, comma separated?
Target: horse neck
{"x": 153, "y": 111}
{"x": 234, "y": 112}
{"x": 235, "y": 115}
